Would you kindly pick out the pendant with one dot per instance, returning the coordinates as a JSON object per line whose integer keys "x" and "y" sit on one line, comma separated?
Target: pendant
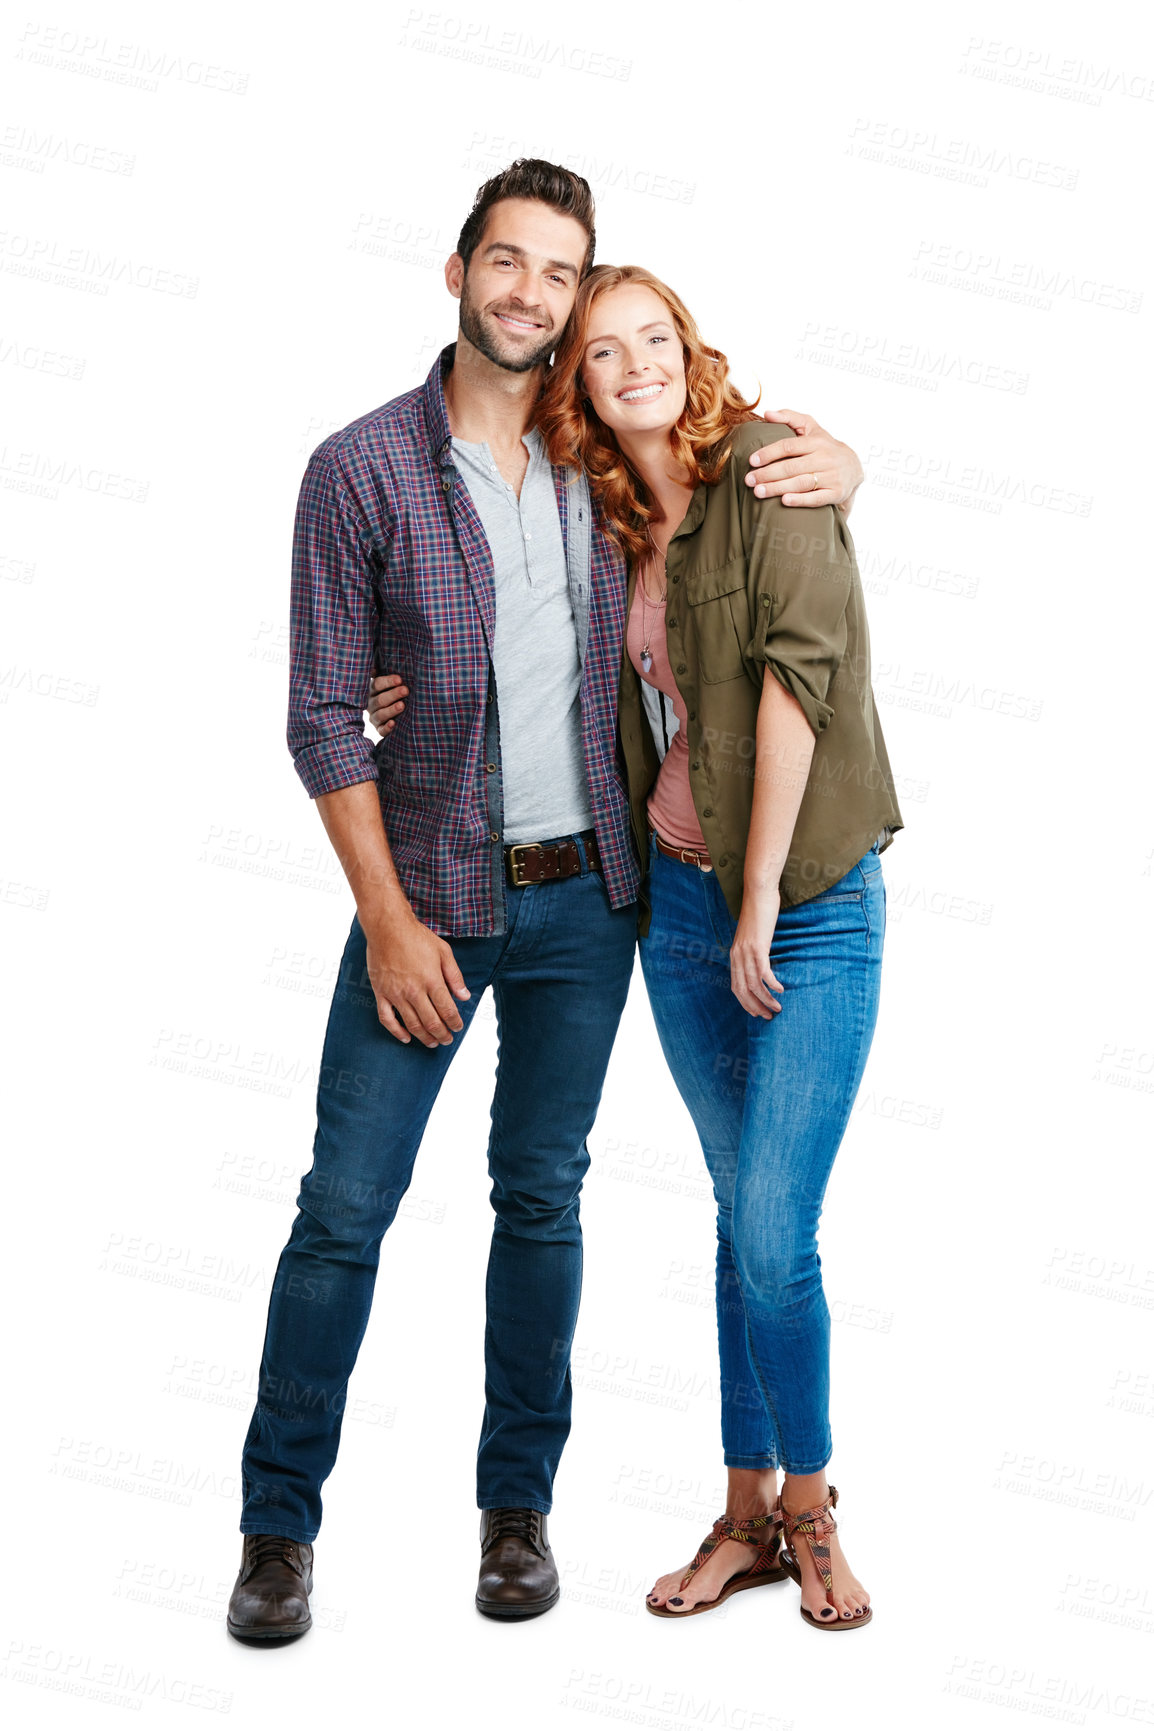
{"x": 646, "y": 661}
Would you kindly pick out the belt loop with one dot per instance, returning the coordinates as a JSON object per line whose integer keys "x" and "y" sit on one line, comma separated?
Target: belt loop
{"x": 579, "y": 841}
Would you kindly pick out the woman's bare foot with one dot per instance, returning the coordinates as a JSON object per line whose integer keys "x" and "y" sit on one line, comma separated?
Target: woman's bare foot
{"x": 848, "y": 1598}
{"x": 750, "y": 1494}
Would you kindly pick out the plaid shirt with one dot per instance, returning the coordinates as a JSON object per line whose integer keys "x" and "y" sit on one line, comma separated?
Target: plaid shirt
{"x": 392, "y": 571}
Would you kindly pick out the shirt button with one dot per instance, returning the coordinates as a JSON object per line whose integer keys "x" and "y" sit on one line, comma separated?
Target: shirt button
{"x": 676, "y": 578}
{"x": 707, "y": 811}
{"x": 494, "y": 835}
{"x": 671, "y": 622}
{"x": 765, "y": 601}
{"x": 695, "y": 764}
{"x": 693, "y": 715}
{"x": 490, "y": 768}
{"x": 681, "y": 667}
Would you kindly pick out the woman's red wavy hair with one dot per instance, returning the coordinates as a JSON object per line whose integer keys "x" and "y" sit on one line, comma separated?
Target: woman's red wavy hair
{"x": 700, "y": 441}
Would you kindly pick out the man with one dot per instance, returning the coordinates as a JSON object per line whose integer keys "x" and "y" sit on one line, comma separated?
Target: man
{"x": 486, "y": 842}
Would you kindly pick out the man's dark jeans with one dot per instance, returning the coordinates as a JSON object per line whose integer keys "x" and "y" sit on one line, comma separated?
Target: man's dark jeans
{"x": 560, "y": 975}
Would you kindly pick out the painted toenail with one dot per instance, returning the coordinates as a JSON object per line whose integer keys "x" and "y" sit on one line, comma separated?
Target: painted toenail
{"x": 677, "y": 1601}
{"x": 828, "y": 1612}
{"x": 848, "y": 1617}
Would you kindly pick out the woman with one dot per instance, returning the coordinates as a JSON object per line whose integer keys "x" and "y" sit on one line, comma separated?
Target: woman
{"x": 762, "y": 797}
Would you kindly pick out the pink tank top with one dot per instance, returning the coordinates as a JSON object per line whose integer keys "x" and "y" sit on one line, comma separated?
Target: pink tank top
{"x": 671, "y": 809}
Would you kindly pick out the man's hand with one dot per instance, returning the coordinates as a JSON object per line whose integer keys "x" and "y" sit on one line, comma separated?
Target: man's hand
{"x": 413, "y": 972}
{"x": 750, "y": 975}
{"x": 826, "y": 471}
{"x": 415, "y": 978}
{"x": 385, "y": 701}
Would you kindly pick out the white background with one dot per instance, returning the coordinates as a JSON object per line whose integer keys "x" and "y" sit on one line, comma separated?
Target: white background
{"x": 223, "y": 235}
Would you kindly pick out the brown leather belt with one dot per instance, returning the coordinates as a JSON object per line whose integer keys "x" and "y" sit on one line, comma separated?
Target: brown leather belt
{"x": 687, "y": 855}
{"x": 534, "y": 862}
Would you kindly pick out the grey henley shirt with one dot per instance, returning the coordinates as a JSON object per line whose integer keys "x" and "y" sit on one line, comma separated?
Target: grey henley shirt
{"x": 536, "y": 662}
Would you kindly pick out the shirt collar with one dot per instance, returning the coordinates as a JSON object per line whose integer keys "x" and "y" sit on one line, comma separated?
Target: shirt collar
{"x": 436, "y": 410}
{"x": 694, "y": 513}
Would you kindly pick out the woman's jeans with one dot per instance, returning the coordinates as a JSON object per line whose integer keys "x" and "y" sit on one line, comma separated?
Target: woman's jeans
{"x": 770, "y": 1101}
{"x": 560, "y": 975}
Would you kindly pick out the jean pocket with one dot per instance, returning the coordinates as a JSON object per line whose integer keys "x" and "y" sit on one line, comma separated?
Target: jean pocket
{"x": 850, "y": 888}
{"x": 870, "y": 866}
{"x": 854, "y": 885}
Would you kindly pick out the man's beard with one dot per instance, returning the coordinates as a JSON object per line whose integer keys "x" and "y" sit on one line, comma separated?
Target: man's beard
{"x": 473, "y": 327}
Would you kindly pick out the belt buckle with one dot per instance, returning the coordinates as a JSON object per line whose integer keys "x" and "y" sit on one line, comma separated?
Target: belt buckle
{"x": 686, "y": 855}
{"x": 514, "y": 862}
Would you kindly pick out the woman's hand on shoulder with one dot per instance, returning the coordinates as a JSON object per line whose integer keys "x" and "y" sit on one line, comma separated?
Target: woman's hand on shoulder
{"x": 750, "y": 975}
{"x": 812, "y": 468}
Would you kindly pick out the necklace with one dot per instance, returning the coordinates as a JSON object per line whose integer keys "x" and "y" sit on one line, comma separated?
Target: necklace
{"x": 647, "y": 629}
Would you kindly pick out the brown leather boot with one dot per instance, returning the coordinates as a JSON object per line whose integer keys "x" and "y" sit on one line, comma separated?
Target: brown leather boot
{"x": 270, "y": 1601}
{"x": 518, "y": 1575}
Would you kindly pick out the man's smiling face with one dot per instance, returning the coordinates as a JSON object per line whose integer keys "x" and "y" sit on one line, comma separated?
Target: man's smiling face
{"x": 521, "y": 283}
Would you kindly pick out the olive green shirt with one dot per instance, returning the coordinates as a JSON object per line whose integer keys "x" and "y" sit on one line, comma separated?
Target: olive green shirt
{"x": 754, "y": 584}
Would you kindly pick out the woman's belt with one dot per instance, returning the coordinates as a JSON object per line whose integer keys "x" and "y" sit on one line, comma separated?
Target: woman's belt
{"x": 687, "y": 855}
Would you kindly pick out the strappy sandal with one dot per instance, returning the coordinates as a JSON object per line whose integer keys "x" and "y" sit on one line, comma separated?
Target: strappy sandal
{"x": 816, "y": 1527}
{"x": 764, "y": 1568}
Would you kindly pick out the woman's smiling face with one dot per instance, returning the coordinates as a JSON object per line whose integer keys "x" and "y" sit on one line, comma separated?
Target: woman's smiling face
{"x": 633, "y": 365}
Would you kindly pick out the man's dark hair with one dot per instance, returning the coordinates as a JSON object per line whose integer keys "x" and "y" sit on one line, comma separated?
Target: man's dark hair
{"x": 529, "y": 177}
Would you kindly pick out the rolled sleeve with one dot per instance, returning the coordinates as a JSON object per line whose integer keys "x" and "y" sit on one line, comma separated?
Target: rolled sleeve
{"x": 331, "y": 634}
{"x": 800, "y": 572}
